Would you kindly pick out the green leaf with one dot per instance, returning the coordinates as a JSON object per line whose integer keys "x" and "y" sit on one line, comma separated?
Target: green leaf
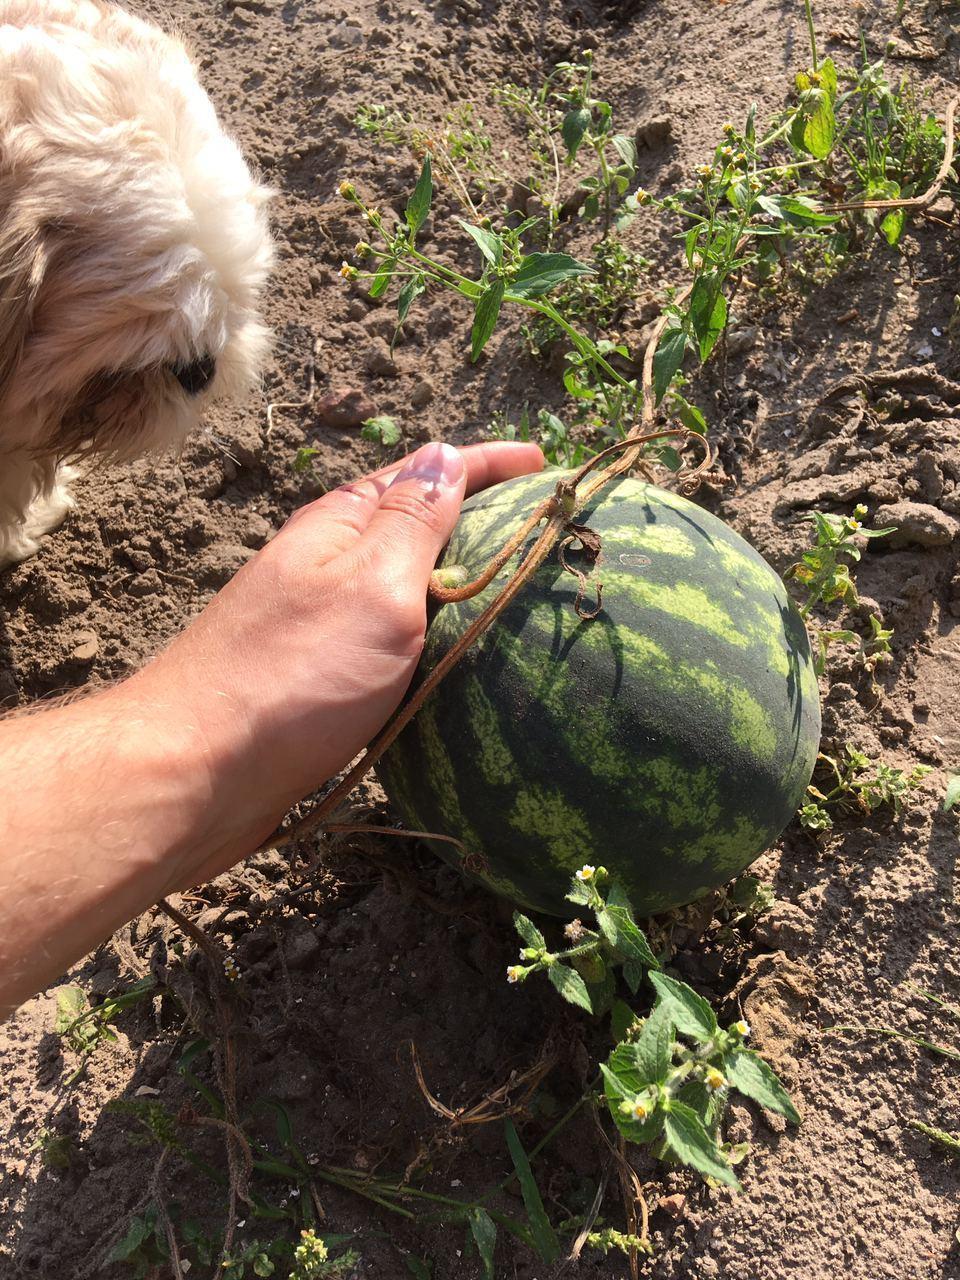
{"x": 621, "y": 931}
{"x": 692, "y": 1144}
{"x": 543, "y": 1233}
{"x": 71, "y": 1005}
{"x": 633, "y": 973}
{"x": 601, "y": 990}
{"x": 575, "y": 125}
{"x": 382, "y": 430}
{"x": 708, "y": 312}
{"x": 893, "y": 224}
{"x": 529, "y": 932}
{"x": 667, "y": 361}
{"x": 622, "y": 1083}
{"x": 262, "y": 1265}
{"x": 652, "y": 1048}
{"x": 690, "y": 416}
{"x": 485, "y": 318}
{"x": 418, "y": 206}
{"x": 820, "y": 126}
{"x": 484, "y": 1232}
{"x": 706, "y": 1105}
{"x": 690, "y": 1013}
{"x": 383, "y": 276}
{"x": 748, "y": 1072}
{"x": 570, "y": 985}
{"x": 541, "y": 272}
{"x": 578, "y": 892}
{"x": 410, "y": 291}
{"x": 828, "y": 78}
{"x": 952, "y": 795}
{"x": 750, "y": 130}
{"x": 622, "y": 1018}
{"x": 137, "y": 1232}
{"x": 489, "y": 244}
{"x": 690, "y": 243}
{"x": 626, "y": 149}
{"x": 797, "y": 210}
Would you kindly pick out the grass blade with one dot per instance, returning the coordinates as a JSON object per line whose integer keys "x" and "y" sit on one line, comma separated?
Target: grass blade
{"x": 548, "y": 1246}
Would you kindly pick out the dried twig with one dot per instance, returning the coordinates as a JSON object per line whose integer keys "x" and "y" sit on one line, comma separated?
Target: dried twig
{"x": 928, "y": 197}
{"x": 311, "y": 391}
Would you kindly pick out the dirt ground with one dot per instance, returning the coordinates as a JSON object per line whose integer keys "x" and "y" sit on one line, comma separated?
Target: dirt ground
{"x": 378, "y": 949}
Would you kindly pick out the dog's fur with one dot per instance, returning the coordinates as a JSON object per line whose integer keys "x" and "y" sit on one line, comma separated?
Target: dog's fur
{"x": 133, "y": 245}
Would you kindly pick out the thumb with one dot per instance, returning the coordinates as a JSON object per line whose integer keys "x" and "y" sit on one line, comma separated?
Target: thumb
{"x": 417, "y": 512}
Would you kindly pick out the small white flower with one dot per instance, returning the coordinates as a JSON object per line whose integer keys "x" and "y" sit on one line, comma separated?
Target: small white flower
{"x": 639, "y": 1111}
{"x": 514, "y": 973}
{"x": 574, "y": 931}
{"x": 742, "y": 1028}
{"x": 586, "y": 872}
{"x": 715, "y": 1079}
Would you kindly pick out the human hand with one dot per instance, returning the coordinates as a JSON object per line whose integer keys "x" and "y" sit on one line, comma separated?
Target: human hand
{"x": 308, "y": 651}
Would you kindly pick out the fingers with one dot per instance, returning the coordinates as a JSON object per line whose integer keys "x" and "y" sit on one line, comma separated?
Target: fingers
{"x": 336, "y": 521}
{"x": 415, "y": 516}
{"x": 499, "y": 460}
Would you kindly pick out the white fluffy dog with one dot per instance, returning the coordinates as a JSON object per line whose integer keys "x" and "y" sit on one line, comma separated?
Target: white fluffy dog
{"x": 133, "y": 245}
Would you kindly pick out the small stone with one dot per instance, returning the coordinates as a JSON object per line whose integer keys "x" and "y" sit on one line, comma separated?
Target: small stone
{"x": 356, "y": 310}
{"x": 378, "y": 360}
{"x": 86, "y": 646}
{"x": 348, "y": 407}
{"x": 422, "y": 394}
{"x": 917, "y": 524}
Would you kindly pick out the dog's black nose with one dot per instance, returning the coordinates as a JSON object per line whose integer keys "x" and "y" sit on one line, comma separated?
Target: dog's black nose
{"x": 195, "y": 376}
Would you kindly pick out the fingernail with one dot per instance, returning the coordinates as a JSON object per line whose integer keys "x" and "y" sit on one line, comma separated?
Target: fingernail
{"x": 435, "y": 463}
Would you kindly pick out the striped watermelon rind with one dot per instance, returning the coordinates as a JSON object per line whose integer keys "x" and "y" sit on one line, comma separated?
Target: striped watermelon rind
{"x": 671, "y": 739}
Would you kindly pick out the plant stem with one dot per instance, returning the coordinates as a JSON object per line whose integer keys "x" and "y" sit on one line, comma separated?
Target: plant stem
{"x": 808, "y": 5}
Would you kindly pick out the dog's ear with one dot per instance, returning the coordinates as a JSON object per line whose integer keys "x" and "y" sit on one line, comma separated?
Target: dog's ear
{"x": 23, "y": 262}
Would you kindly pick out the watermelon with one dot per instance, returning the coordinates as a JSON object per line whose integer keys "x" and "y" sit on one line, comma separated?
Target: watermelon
{"x": 669, "y": 739}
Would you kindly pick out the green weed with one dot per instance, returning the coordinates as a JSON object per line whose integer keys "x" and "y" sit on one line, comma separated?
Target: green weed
{"x": 857, "y": 786}
{"x": 824, "y": 574}
{"x": 84, "y": 1028}
{"x": 669, "y": 1078}
{"x": 383, "y": 431}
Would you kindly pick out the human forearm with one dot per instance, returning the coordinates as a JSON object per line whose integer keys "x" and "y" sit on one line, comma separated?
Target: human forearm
{"x": 168, "y": 779}
{"x": 97, "y": 800}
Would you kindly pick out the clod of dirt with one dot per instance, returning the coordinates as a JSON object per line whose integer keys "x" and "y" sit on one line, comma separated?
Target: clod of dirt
{"x": 86, "y": 646}
{"x": 774, "y": 993}
{"x": 786, "y": 927}
{"x": 422, "y": 394}
{"x": 917, "y": 524}
{"x": 345, "y": 408}
{"x": 655, "y": 134}
{"x": 300, "y": 944}
{"x": 379, "y": 362}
